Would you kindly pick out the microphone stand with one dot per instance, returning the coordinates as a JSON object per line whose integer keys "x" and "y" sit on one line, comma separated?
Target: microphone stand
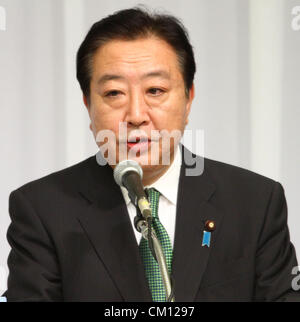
{"x": 144, "y": 227}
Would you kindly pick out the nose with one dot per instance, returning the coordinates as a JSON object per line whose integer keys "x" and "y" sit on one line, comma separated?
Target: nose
{"x": 137, "y": 111}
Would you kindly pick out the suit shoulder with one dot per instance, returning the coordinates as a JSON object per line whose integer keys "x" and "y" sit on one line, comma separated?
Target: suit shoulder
{"x": 232, "y": 175}
{"x": 64, "y": 177}
{"x": 241, "y": 188}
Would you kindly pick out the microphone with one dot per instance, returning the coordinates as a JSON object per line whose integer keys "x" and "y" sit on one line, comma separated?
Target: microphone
{"x": 129, "y": 174}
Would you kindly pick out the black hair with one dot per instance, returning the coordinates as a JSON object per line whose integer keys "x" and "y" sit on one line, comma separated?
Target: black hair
{"x": 132, "y": 24}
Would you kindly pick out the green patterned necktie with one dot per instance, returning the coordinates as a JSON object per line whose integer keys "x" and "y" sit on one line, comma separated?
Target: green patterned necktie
{"x": 151, "y": 267}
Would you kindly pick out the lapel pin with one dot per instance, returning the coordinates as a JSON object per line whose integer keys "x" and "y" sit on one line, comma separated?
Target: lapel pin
{"x": 209, "y": 227}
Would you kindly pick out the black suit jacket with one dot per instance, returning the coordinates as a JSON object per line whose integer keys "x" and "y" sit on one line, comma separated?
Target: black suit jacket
{"x": 72, "y": 239}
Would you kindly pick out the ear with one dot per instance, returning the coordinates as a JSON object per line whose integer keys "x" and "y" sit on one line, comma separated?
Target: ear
{"x": 189, "y": 102}
{"x": 86, "y": 101}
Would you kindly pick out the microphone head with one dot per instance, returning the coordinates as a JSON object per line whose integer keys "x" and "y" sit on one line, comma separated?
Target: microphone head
{"x": 124, "y": 167}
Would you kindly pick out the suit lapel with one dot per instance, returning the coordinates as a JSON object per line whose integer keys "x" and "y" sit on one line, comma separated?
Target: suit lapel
{"x": 193, "y": 210}
{"x": 106, "y": 222}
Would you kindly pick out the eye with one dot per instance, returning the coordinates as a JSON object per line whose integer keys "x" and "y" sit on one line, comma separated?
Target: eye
{"x": 155, "y": 91}
{"x": 112, "y": 94}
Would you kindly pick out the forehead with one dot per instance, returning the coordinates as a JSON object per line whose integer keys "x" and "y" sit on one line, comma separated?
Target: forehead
{"x": 135, "y": 56}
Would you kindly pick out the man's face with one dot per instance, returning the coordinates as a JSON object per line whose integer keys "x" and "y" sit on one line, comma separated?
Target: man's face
{"x": 138, "y": 82}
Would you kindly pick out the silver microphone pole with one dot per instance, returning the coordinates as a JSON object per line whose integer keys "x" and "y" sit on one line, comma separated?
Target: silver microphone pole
{"x": 142, "y": 227}
{"x": 131, "y": 173}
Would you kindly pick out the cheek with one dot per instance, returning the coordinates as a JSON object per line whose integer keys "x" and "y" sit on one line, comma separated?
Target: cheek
{"x": 106, "y": 119}
{"x": 169, "y": 117}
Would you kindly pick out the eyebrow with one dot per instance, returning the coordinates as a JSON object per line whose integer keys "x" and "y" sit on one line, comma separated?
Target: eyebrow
{"x": 157, "y": 73}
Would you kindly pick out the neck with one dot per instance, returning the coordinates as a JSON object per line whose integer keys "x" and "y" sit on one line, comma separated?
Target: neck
{"x": 152, "y": 173}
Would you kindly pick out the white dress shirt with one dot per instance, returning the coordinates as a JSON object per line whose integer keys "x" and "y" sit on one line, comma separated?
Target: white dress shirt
{"x": 167, "y": 185}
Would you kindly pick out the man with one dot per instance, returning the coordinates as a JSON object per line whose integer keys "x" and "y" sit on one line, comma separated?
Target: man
{"x": 72, "y": 234}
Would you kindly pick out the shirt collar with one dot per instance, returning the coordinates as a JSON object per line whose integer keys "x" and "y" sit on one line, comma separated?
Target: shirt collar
{"x": 167, "y": 184}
